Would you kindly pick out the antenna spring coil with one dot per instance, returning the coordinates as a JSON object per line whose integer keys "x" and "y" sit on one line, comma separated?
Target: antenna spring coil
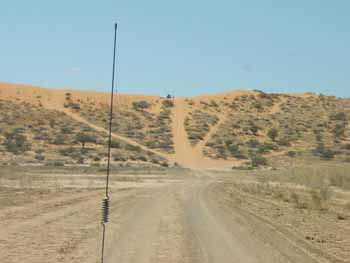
{"x": 105, "y": 210}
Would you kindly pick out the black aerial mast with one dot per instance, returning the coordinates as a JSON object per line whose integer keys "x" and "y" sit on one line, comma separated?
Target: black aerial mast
{"x": 105, "y": 201}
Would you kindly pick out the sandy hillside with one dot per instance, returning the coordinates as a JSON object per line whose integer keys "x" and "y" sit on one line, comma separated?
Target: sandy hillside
{"x": 184, "y": 155}
{"x": 208, "y": 131}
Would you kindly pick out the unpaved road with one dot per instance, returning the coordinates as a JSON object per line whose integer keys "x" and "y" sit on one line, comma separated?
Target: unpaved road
{"x": 185, "y": 222}
{"x": 179, "y": 220}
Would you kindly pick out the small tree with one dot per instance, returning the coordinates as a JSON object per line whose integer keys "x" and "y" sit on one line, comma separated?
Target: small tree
{"x": 16, "y": 142}
{"x": 84, "y": 138}
{"x": 273, "y": 134}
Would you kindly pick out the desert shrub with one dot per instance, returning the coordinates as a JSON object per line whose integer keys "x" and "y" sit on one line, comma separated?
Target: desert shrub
{"x": 253, "y": 143}
{"x": 340, "y": 116}
{"x": 266, "y": 147}
{"x": 257, "y": 160}
{"x": 320, "y": 197}
{"x": 291, "y": 154}
{"x": 258, "y": 105}
{"x": 233, "y": 148}
{"x": 296, "y": 199}
{"x": 273, "y": 134}
{"x": 133, "y": 157}
{"x": 141, "y": 105}
{"x": 339, "y": 130}
{"x": 164, "y": 164}
{"x": 285, "y": 141}
{"x": 119, "y": 157}
{"x": 16, "y": 142}
{"x": 168, "y": 103}
{"x": 346, "y": 146}
{"x": 254, "y": 128}
{"x": 75, "y": 106}
{"x": 141, "y": 158}
{"x": 115, "y": 144}
{"x": 59, "y": 140}
{"x": 191, "y": 102}
{"x": 327, "y": 154}
{"x": 69, "y": 151}
{"x": 83, "y": 138}
{"x": 70, "y": 104}
{"x": 155, "y": 160}
{"x": 39, "y": 157}
{"x": 39, "y": 151}
{"x": 195, "y": 136}
{"x": 235, "y": 151}
{"x": 66, "y": 129}
{"x": 320, "y": 148}
{"x": 319, "y": 137}
{"x": 56, "y": 163}
{"x": 97, "y": 158}
{"x": 221, "y": 151}
{"x": 213, "y": 103}
{"x": 133, "y": 148}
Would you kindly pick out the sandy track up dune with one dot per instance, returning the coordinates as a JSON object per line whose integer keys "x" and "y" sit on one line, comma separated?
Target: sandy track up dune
{"x": 187, "y": 155}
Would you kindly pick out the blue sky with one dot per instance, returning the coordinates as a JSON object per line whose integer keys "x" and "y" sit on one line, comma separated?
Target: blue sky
{"x": 179, "y": 47}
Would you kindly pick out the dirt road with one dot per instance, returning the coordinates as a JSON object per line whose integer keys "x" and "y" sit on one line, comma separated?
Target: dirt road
{"x": 166, "y": 220}
{"x": 186, "y": 222}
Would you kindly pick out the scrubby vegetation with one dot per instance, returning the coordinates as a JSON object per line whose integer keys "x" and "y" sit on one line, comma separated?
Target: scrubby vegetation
{"x": 308, "y": 187}
{"x": 136, "y": 121}
{"x": 255, "y": 128}
{"x": 266, "y": 124}
{"x": 32, "y": 134}
{"x": 198, "y": 124}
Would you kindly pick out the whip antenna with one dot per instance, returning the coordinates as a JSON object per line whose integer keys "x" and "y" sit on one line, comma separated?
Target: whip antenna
{"x": 105, "y": 201}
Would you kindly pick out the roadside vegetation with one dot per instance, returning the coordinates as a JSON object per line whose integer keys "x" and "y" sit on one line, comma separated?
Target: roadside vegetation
{"x": 309, "y": 204}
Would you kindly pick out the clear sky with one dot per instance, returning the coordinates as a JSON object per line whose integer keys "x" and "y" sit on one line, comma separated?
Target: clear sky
{"x": 178, "y": 47}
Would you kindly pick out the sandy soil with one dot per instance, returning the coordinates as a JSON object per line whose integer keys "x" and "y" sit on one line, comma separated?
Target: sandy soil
{"x": 161, "y": 219}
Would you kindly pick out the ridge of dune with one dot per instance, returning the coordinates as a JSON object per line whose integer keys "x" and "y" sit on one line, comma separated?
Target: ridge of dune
{"x": 30, "y": 92}
{"x": 184, "y": 153}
